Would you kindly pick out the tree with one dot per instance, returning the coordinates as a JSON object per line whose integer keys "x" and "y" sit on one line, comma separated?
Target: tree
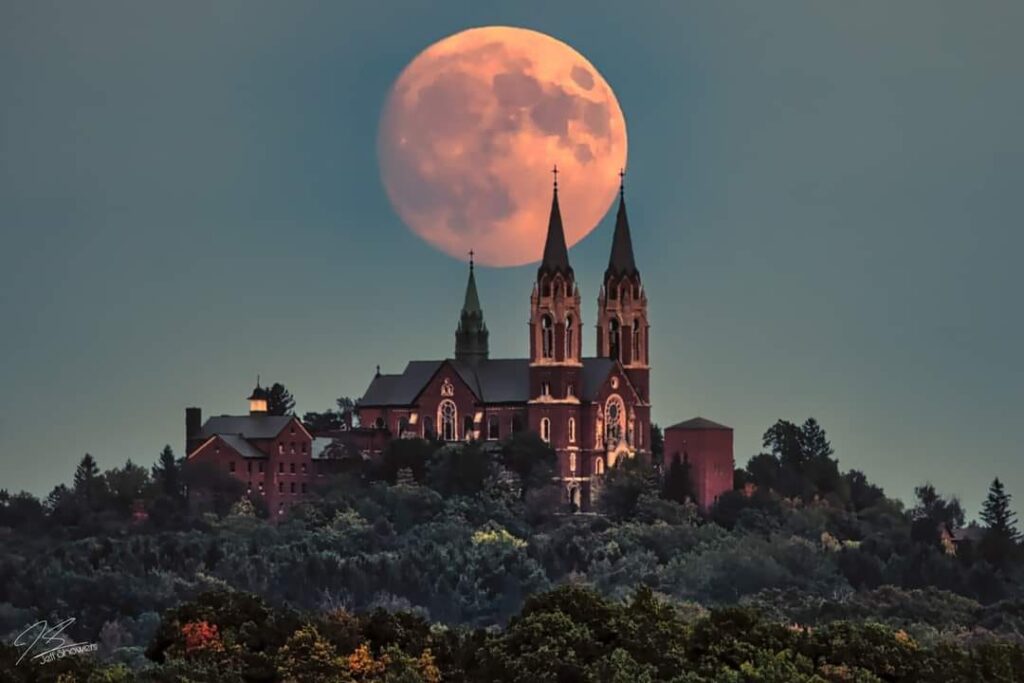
{"x": 460, "y": 469}
{"x": 933, "y": 513}
{"x": 531, "y": 458}
{"x": 996, "y": 512}
{"x": 167, "y": 474}
{"x": 677, "y": 485}
{"x": 280, "y": 401}
{"x": 126, "y": 485}
{"x": 88, "y": 486}
{"x": 657, "y": 443}
{"x": 624, "y": 483}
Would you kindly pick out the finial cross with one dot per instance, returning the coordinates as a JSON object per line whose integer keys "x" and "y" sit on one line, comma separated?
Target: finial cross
{"x": 622, "y": 181}
{"x": 471, "y": 253}
{"x": 554, "y": 172}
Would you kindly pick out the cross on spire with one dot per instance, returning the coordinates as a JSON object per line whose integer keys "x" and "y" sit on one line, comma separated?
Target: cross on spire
{"x": 554, "y": 172}
{"x": 622, "y": 182}
{"x": 471, "y": 252}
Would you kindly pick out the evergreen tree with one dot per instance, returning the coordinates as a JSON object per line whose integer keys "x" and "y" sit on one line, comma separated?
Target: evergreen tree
{"x": 813, "y": 442}
{"x": 996, "y": 512}
{"x": 657, "y": 443}
{"x": 677, "y": 485}
{"x": 167, "y": 473}
{"x": 281, "y": 401}
{"x": 88, "y": 485}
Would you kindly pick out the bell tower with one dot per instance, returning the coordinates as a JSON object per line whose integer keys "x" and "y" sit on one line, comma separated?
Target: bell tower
{"x": 623, "y": 331}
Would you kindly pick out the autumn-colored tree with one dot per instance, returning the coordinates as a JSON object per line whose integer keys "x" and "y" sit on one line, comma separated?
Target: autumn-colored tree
{"x": 201, "y": 636}
{"x": 308, "y": 656}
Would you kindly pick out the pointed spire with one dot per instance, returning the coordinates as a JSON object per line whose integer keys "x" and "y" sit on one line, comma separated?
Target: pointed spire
{"x": 556, "y": 254}
{"x": 471, "y": 334}
{"x": 621, "y": 261}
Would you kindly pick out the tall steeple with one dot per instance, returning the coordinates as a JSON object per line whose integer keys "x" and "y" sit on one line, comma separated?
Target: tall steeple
{"x": 471, "y": 334}
{"x": 622, "y": 327}
{"x": 556, "y": 253}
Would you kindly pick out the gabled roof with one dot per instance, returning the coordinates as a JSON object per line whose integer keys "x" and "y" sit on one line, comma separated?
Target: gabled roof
{"x": 243, "y": 447}
{"x": 595, "y": 372}
{"x": 501, "y": 380}
{"x": 698, "y": 423}
{"x": 402, "y": 389}
{"x": 246, "y": 426}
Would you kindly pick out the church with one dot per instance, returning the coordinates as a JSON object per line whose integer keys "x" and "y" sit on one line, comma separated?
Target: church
{"x": 592, "y": 411}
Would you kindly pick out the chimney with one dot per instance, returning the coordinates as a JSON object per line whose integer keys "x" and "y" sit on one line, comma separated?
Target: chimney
{"x": 193, "y": 425}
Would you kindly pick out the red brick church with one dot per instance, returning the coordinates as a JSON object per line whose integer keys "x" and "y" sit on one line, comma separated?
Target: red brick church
{"x": 592, "y": 411}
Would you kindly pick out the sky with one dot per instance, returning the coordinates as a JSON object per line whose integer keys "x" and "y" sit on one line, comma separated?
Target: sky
{"x": 824, "y": 198}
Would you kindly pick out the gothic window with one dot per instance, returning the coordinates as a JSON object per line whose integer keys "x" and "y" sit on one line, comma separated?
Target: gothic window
{"x": 547, "y": 336}
{"x": 570, "y": 390}
{"x": 614, "y": 420}
{"x": 545, "y": 287}
{"x": 613, "y": 338}
{"x": 572, "y": 462}
{"x": 428, "y": 427}
{"x": 569, "y": 348}
{"x": 599, "y": 466}
{"x": 447, "y": 415}
{"x": 572, "y": 430}
{"x": 467, "y": 427}
{"x": 545, "y": 388}
{"x": 636, "y": 340}
{"x": 545, "y": 429}
{"x": 493, "y": 428}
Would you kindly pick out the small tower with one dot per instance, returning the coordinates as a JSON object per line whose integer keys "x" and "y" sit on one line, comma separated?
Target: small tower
{"x": 622, "y": 326}
{"x": 258, "y": 399}
{"x": 471, "y": 334}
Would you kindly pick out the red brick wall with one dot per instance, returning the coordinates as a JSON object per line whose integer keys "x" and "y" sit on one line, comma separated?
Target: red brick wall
{"x": 710, "y": 455}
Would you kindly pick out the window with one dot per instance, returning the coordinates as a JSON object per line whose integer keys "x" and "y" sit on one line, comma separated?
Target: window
{"x": 640, "y": 436}
{"x": 637, "y": 356}
{"x": 292, "y": 468}
{"x": 547, "y": 336}
{"x": 303, "y": 487}
{"x": 248, "y": 467}
{"x": 280, "y": 448}
{"x": 260, "y": 484}
{"x": 545, "y": 388}
{"x": 614, "y": 420}
{"x": 231, "y": 466}
{"x": 467, "y": 427}
{"x": 545, "y": 429}
{"x": 572, "y": 430}
{"x": 570, "y": 390}
{"x": 448, "y": 414}
{"x": 280, "y": 487}
{"x": 629, "y": 434}
{"x": 613, "y": 338}
{"x": 280, "y": 508}
{"x": 493, "y": 428}
{"x": 428, "y": 427}
{"x": 303, "y": 468}
{"x": 599, "y": 466}
{"x": 292, "y": 447}
{"x": 280, "y": 467}
{"x": 569, "y": 333}
{"x": 572, "y": 462}
{"x": 261, "y": 467}
{"x": 545, "y": 288}
{"x": 303, "y": 446}
{"x": 293, "y": 487}
{"x": 379, "y": 423}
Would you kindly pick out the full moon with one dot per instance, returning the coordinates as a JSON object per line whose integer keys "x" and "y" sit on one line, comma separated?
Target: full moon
{"x": 470, "y": 133}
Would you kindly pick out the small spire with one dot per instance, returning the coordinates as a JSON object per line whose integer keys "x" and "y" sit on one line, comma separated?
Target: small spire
{"x": 257, "y": 381}
{"x": 621, "y": 261}
{"x": 556, "y": 253}
{"x": 378, "y": 371}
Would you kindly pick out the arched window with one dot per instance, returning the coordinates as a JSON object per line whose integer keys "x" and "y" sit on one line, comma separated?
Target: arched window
{"x": 378, "y": 423}
{"x": 545, "y": 287}
{"x": 613, "y": 338}
{"x": 569, "y": 336}
{"x": 545, "y": 429}
{"x": 447, "y": 414}
{"x": 545, "y": 388}
{"x": 428, "y": 427}
{"x": 467, "y": 427}
{"x": 547, "y": 336}
{"x": 570, "y": 390}
{"x": 614, "y": 420}
{"x": 637, "y": 356}
{"x": 599, "y": 466}
{"x": 572, "y": 430}
{"x": 493, "y": 428}
{"x": 572, "y": 462}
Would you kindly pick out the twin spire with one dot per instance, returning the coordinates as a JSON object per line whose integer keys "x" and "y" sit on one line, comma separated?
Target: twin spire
{"x": 471, "y": 335}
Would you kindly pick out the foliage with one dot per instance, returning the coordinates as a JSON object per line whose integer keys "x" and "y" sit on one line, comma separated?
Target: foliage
{"x": 279, "y": 400}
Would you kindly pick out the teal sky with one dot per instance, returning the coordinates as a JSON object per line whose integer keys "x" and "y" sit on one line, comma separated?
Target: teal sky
{"x": 825, "y": 200}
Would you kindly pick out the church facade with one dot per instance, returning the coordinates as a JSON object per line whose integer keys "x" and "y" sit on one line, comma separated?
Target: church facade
{"x": 591, "y": 410}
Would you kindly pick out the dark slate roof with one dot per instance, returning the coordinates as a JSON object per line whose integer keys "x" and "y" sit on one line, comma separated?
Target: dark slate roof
{"x": 556, "y": 254}
{"x": 247, "y": 426}
{"x": 471, "y": 304}
{"x": 595, "y": 372}
{"x": 244, "y": 448}
{"x": 497, "y": 380}
{"x": 621, "y": 261}
{"x": 698, "y": 423}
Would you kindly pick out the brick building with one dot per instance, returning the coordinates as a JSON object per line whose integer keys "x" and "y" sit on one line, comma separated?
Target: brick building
{"x": 706, "y": 448}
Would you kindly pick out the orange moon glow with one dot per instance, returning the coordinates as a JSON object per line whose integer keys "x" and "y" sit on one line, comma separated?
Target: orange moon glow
{"x": 472, "y": 128}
